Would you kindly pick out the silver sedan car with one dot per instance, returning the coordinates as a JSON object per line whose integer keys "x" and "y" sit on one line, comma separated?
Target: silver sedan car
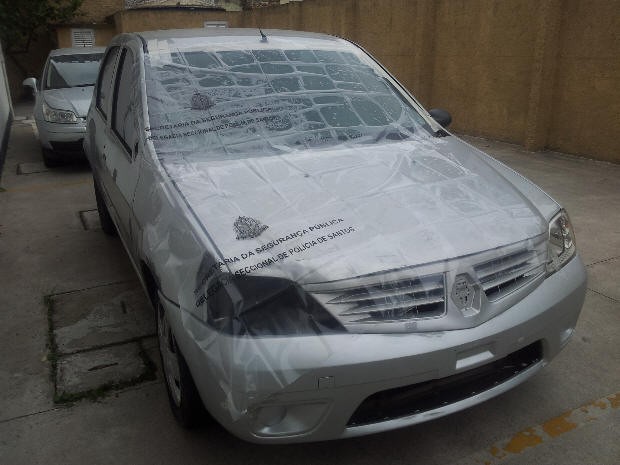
{"x": 324, "y": 258}
{"x": 62, "y": 99}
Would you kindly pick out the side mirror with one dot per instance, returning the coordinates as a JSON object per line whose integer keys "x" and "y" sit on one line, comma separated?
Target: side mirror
{"x": 30, "y": 82}
{"x": 441, "y": 116}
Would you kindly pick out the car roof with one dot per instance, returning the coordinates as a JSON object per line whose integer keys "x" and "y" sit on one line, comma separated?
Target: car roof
{"x": 233, "y": 32}
{"x": 76, "y": 51}
{"x": 238, "y": 36}
{"x": 235, "y": 38}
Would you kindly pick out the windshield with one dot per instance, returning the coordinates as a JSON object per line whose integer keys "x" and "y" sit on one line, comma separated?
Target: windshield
{"x": 72, "y": 70}
{"x": 251, "y": 102}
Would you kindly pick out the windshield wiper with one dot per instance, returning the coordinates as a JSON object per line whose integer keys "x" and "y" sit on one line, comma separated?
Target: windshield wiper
{"x": 392, "y": 133}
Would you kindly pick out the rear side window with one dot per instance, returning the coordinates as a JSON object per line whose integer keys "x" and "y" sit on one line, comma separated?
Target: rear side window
{"x": 122, "y": 115}
{"x": 104, "y": 86}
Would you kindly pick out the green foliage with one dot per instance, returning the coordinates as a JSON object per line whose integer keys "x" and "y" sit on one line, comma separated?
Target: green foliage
{"x": 21, "y": 20}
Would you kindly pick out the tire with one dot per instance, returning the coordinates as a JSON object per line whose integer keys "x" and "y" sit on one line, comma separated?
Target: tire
{"x": 49, "y": 160}
{"x": 107, "y": 225}
{"x": 183, "y": 396}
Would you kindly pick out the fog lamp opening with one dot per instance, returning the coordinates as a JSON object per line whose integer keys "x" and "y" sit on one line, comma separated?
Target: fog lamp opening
{"x": 271, "y": 415}
{"x": 288, "y": 420}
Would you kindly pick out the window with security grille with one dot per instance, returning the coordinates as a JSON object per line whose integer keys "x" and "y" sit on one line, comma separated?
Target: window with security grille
{"x": 83, "y": 37}
{"x": 216, "y": 23}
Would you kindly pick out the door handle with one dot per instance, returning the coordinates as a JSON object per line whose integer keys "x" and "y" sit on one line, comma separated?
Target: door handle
{"x": 114, "y": 173}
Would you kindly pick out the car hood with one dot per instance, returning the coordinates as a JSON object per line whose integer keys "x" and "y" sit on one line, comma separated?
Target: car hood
{"x": 352, "y": 211}
{"x": 75, "y": 99}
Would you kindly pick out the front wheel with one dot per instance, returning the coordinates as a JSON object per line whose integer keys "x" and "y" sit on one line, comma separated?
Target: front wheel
{"x": 49, "y": 160}
{"x": 184, "y": 399}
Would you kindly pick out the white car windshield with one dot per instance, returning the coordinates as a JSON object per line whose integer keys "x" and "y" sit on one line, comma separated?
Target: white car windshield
{"x": 252, "y": 102}
{"x": 72, "y": 70}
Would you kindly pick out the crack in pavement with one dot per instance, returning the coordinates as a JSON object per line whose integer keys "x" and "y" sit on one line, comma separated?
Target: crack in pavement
{"x": 604, "y": 295}
{"x": 604, "y": 260}
{"x": 125, "y": 281}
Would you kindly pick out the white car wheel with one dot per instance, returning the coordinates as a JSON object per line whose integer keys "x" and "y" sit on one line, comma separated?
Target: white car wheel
{"x": 184, "y": 399}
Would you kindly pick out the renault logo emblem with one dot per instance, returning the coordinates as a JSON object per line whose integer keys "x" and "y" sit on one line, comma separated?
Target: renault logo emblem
{"x": 463, "y": 292}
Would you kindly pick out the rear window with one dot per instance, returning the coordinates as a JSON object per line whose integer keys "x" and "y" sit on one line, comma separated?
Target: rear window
{"x": 243, "y": 103}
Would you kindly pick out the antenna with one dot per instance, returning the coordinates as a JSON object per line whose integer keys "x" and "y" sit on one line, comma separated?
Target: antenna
{"x": 262, "y": 34}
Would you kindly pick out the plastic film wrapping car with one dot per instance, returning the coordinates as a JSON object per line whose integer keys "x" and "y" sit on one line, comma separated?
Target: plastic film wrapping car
{"x": 324, "y": 258}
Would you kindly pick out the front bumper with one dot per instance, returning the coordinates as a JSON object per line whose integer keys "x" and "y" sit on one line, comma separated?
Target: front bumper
{"x": 62, "y": 139}
{"x": 277, "y": 390}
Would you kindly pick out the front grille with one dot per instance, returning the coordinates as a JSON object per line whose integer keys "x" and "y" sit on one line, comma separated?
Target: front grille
{"x": 404, "y": 299}
{"x": 68, "y": 147}
{"x": 506, "y": 273}
{"x": 422, "y": 397}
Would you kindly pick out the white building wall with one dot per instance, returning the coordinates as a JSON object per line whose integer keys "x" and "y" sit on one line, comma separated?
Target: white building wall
{"x": 6, "y": 110}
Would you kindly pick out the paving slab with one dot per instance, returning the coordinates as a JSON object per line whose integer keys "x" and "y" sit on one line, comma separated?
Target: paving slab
{"x": 90, "y": 220}
{"x": 101, "y": 316}
{"x": 87, "y": 371}
{"x": 25, "y": 387}
{"x": 603, "y": 278}
{"x": 544, "y": 443}
{"x": 31, "y": 168}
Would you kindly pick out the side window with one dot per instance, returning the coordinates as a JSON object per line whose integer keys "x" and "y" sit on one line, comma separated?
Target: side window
{"x": 104, "y": 85}
{"x": 42, "y": 83}
{"x": 122, "y": 114}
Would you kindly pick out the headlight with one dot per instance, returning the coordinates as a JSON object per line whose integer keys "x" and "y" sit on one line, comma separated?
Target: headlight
{"x": 58, "y": 116}
{"x": 561, "y": 242}
{"x": 266, "y": 306}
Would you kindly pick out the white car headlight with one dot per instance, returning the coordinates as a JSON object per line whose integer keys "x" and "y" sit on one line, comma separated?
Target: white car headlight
{"x": 52, "y": 115}
{"x": 561, "y": 242}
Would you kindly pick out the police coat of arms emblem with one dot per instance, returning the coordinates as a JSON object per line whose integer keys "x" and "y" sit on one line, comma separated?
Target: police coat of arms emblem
{"x": 248, "y": 228}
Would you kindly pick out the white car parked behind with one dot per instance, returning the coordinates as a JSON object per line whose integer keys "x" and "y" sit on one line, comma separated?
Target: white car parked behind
{"x": 62, "y": 99}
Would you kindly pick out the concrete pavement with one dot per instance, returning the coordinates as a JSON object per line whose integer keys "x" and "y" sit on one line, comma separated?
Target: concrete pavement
{"x": 50, "y": 245}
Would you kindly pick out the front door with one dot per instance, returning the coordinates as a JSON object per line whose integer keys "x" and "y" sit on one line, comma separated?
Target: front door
{"x": 121, "y": 160}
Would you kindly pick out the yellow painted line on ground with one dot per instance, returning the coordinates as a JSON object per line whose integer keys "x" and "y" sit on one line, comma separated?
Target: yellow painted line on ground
{"x": 48, "y": 186}
{"x": 545, "y": 432}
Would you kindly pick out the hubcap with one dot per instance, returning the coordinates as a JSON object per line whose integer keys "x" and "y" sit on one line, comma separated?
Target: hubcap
{"x": 169, "y": 355}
